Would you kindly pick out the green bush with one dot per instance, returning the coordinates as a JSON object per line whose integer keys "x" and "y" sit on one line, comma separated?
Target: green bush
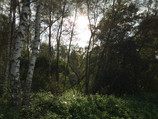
{"x": 68, "y": 106}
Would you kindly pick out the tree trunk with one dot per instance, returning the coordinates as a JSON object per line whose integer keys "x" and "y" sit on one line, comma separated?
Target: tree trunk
{"x": 59, "y": 33}
{"x": 71, "y": 36}
{"x": 95, "y": 12}
{"x": 15, "y": 65}
{"x": 15, "y": 3}
{"x": 50, "y": 34}
{"x": 87, "y": 56}
{"x": 8, "y": 45}
{"x": 104, "y": 52}
{"x": 28, "y": 35}
{"x": 10, "y": 39}
{"x": 35, "y": 45}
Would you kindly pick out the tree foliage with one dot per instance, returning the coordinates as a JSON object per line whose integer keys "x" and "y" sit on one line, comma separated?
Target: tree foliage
{"x": 121, "y": 57}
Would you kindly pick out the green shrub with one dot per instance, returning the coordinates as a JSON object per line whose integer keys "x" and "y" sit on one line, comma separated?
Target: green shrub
{"x": 68, "y": 106}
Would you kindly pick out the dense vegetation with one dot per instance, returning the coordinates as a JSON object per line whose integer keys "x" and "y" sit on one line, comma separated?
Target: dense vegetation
{"x": 69, "y": 106}
{"x": 45, "y": 75}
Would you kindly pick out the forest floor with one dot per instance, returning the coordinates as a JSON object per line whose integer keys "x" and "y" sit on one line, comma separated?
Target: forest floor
{"x": 69, "y": 106}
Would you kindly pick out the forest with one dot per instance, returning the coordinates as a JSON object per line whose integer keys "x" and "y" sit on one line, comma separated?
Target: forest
{"x": 78, "y": 59}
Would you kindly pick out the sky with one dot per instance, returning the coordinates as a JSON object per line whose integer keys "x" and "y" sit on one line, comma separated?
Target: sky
{"x": 81, "y": 37}
{"x": 83, "y": 32}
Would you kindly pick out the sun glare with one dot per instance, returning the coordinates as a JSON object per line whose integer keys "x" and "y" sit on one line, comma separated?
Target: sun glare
{"x": 83, "y": 30}
{"x": 82, "y": 22}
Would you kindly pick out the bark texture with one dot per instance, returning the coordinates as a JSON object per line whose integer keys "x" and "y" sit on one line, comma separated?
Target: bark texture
{"x": 11, "y": 34}
{"x": 32, "y": 62}
{"x": 15, "y": 65}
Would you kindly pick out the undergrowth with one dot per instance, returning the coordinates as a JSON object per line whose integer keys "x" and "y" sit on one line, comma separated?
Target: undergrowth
{"x": 68, "y": 106}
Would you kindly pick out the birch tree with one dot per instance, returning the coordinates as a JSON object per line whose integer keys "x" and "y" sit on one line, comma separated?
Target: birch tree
{"x": 15, "y": 65}
{"x": 11, "y": 31}
{"x": 32, "y": 62}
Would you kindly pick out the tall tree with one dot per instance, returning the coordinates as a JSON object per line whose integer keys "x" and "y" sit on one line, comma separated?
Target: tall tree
{"x": 9, "y": 43}
{"x": 118, "y": 23}
{"x": 71, "y": 37}
{"x": 92, "y": 14}
{"x": 50, "y": 33}
{"x": 11, "y": 31}
{"x": 4, "y": 28}
{"x": 15, "y": 65}
{"x": 58, "y": 38}
{"x": 105, "y": 50}
{"x": 35, "y": 45}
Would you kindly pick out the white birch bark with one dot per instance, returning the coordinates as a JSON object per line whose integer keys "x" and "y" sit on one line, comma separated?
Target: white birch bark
{"x": 32, "y": 62}
{"x": 15, "y": 65}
